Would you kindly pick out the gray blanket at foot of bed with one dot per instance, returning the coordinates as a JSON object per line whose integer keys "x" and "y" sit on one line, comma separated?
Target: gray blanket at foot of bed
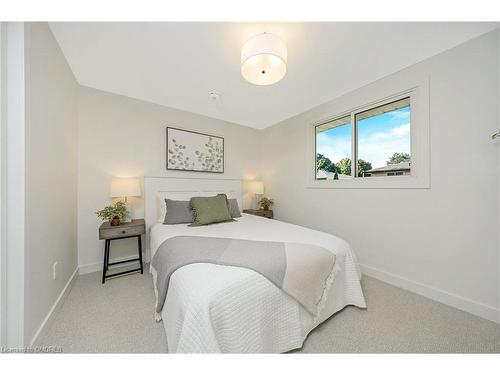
{"x": 303, "y": 271}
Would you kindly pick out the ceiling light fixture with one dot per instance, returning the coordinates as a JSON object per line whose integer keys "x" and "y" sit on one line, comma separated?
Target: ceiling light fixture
{"x": 263, "y": 59}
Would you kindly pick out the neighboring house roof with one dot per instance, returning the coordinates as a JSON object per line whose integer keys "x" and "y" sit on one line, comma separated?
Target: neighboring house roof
{"x": 405, "y": 165}
{"x": 324, "y": 174}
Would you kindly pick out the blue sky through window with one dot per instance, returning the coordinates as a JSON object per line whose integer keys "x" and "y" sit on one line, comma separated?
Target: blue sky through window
{"x": 379, "y": 137}
{"x": 335, "y": 143}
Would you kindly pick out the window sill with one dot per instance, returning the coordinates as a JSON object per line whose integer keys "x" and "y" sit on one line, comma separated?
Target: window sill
{"x": 392, "y": 182}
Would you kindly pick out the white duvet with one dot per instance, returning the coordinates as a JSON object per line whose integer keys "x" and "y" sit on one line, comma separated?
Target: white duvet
{"x": 221, "y": 309}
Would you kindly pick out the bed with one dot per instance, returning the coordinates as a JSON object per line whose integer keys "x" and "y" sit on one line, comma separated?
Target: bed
{"x": 211, "y": 308}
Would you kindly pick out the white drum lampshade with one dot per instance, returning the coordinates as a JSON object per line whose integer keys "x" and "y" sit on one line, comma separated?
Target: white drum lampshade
{"x": 123, "y": 188}
{"x": 263, "y": 59}
{"x": 256, "y": 187}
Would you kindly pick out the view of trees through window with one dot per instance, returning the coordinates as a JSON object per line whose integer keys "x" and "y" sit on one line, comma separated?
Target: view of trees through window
{"x": 382, "y": 143}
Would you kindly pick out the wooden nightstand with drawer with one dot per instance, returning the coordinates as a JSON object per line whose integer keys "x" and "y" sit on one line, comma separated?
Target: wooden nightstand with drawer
{"x": 264, "y": 213}
{"x": 108, "y": 233}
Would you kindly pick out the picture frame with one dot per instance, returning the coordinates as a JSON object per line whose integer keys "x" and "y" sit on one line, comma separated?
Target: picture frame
{"x": 191, "y": 151}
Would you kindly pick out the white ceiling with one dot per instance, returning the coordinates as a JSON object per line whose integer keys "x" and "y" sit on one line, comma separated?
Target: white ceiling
{"x": 178, "y": 64}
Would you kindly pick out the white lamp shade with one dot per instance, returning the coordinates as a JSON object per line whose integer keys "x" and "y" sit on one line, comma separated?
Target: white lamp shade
{"x": 256, "y": 187}
{"x": 125, "y": 187}
{"x": 263, "y": 59}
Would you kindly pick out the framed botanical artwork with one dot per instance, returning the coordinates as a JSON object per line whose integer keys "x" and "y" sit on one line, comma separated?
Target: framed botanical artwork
{"x": 193, "y": 151}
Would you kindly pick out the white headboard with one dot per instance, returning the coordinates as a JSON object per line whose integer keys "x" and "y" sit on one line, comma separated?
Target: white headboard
{"x": 156, "y": 187}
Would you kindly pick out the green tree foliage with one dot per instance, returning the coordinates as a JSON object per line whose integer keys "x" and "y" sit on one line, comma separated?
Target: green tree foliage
{"x": 344, "y": 166}
{"x": 399, "y": 157}
{"x": 323, "y": 163}
{"x": 363, "y": 166}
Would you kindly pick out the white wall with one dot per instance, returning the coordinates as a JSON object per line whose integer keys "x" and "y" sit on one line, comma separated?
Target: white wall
{"x": 3, "y": 307}
{"x": 120, "y": 136}
{"x": 51, "y": 175}
{"x": 497, "y": 142}
{"x": 442, "y": 242}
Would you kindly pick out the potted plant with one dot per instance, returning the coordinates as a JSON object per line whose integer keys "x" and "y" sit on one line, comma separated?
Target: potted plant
{"x": 114, "y": 213}
{"x": 265, "y": 203}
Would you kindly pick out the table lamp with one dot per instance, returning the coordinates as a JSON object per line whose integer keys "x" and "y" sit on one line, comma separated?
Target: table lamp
{"x": 123, "y": 188}
{"x": 256, "y": 188}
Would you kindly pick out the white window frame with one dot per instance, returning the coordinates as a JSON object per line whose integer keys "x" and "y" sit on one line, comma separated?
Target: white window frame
{"x": 385, "y": 91}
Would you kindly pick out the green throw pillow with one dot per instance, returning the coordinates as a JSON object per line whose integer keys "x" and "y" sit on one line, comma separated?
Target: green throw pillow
{"x": 210, "y": 210}
{"x": 232, "y": 205}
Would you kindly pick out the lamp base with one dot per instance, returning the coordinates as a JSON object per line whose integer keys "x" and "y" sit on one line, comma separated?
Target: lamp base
{"x": 128, "y": 218}
{"x": 257, "y": 198}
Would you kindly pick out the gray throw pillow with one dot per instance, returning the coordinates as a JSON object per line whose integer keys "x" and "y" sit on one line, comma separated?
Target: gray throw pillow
{"x": 234, "y": 209}
{"x": 178, "y": 212}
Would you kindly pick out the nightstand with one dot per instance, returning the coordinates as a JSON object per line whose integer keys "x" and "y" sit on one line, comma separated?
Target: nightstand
{"x": 108, "y": 233}
{"x": 264, "y": 213}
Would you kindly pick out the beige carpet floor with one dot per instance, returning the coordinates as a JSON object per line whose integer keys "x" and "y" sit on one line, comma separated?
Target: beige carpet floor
{"x": 117, "y": 318}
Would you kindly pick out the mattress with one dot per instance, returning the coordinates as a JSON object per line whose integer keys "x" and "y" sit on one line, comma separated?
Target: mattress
{"x": 222, "y": 309}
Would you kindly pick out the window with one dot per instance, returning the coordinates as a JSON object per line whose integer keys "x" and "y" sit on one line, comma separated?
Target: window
{"x": 334, "y": 149}
{"x": 381, "y": 147}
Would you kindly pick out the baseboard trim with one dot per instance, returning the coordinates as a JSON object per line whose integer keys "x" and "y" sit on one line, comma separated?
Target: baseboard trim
{"x": 459, "y": 302}
{"x": 55, "y": 307}
{"x": 95, "y": 267}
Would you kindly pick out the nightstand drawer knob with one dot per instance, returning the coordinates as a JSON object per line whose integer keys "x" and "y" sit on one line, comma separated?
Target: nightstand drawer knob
{"x": 123, "y": 231}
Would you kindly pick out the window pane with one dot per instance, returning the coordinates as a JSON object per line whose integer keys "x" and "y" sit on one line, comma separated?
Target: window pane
{"x": 334, "y": 149}
{"x": 383, "y": 135}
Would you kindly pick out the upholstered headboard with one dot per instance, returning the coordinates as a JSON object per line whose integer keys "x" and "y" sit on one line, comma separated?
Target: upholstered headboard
{"x": 156, "y": 188}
